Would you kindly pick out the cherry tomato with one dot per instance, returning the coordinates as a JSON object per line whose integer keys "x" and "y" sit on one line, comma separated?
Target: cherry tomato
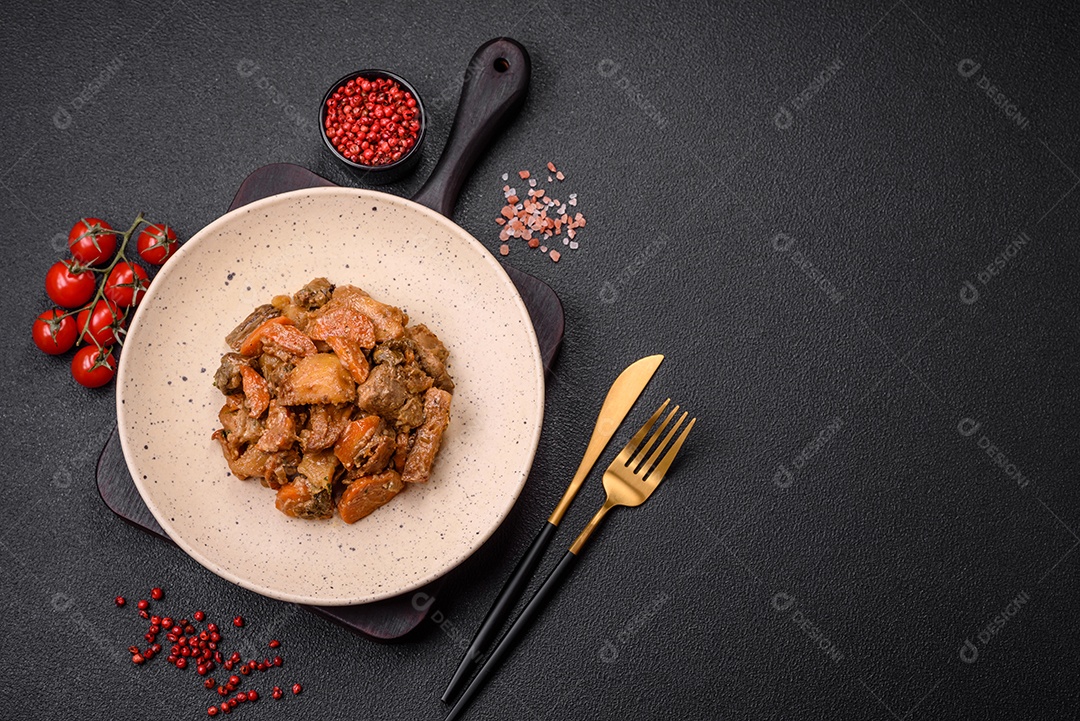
{"x": 88, "y": 242}
{"x": 126, "y": 284}
{"x": 54, "y": 334}
{"x": 68, "y": 288}
{"x": 93, "y": 367}
{"x": 157, "y": 243}
{"x": 106, "y": 323}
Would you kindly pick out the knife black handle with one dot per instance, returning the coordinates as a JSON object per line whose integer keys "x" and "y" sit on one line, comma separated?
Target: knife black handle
{"x": 504, "y": 603}
{"x": 517, "y": 630}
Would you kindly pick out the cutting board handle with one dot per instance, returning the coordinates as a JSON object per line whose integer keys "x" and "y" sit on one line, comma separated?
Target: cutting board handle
{"x": 496, "y": 82}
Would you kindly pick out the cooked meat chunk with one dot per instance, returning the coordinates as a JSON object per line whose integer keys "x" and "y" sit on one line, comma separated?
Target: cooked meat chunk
{"x": 367, "y": 493}
{"x": 401, "y": 355}
{"x": 280, "y": 431}
{"x": 237, "y": 425}
{"x": 366, "y": 446}
{"x": 274, "y": 370}
{"x": 314, "y": 295}
{"x": 256, "y": 392}
{"x": 332, "y": 395}
{"x": 231, "y": 451}
{"x": 343, "y": 322}
{"x": 401, "y": 448}
{"x": 325, "y": 425}
{"x": 250, "y": 464}
{"x": 385, "y": 394}
{"x": 318, "y": 379}
{"x": 279, "y": 337}
{"x": 227, "y": 379}
{"x": 428, "y": 437}
{"x": 432, "y": 355}
{"x": 280, "y": 467}
{"x": 412, "y": 413}
{"x": 394, "y": 352}
{"x": 299, "y": 500}
{"x": 413, "y": 378}
{"x": 389, "y": 322}
{"x": 258, "y": 316}
{"x": 382, "y": 393}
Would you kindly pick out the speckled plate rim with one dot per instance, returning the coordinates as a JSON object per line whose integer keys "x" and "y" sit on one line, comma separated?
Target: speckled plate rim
{"x": 192, "y": 246}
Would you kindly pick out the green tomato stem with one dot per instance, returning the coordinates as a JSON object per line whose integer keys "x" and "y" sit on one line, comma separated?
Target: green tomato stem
{"x": 120, "y": 256}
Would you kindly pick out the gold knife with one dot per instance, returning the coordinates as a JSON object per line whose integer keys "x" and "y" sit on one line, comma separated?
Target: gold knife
{"x": 620, "y": 399}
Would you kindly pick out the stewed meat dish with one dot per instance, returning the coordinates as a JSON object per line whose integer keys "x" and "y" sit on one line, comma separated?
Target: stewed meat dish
{"x": 333, "y": 401}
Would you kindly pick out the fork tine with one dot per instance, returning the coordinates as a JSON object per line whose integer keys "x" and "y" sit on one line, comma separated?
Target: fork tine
{"x": 635, "y": 463}
{"x": 644, "y": 468}
{"x": 657, "y": 474}
{"x": 631, "y": 446}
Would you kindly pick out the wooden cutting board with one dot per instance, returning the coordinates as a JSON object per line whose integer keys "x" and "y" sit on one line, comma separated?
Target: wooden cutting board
{"x": 393, "y": 617}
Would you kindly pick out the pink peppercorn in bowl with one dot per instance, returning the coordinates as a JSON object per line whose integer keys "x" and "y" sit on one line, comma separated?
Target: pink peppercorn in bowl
{"x": 374, "y": 122}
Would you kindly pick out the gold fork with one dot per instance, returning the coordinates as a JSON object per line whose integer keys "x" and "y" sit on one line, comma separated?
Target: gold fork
{"x": 628, "y": 481}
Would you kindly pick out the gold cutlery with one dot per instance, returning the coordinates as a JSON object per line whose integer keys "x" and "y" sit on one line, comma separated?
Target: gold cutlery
{"x": 620, "y": 399}
{"x": 629, "y": 480}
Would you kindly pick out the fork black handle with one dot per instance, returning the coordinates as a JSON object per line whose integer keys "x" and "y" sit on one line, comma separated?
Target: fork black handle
{"x": 517, "y": 630}
{"x": 504, "y": 603}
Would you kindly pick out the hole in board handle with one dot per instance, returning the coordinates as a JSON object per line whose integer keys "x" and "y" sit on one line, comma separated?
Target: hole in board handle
{"x": 501, "y": 65}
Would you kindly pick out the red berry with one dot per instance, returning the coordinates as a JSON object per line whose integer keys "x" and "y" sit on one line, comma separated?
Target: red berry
{"x": 297, "y": 688}
{"x": 275, "y": 643}
{"x": 156, "y": 594}
{"x": 120, "y": 601}
{"x": 253, "y": 695}
{"x": 212, "y": 711}
{"x": 209, "y": 683}
{"x": 238, "y": 622}
{"x": 143, "y": 604}
{"x": 200, "y": 616}
{"x": 137, "y": 659}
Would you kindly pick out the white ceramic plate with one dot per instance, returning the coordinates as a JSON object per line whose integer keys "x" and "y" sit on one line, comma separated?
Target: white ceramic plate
{"x": 403, "y": 254}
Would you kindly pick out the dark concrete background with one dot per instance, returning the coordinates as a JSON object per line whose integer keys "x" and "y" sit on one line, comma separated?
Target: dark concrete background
{"x": 807, "y": 254}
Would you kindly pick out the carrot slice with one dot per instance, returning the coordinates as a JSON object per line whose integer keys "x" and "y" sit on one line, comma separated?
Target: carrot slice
{"x": 256, "y": 391}
{"x": 292, "y": 497}
{"x": 351, "y": 356}
{"x": 252, "y": 345}
{"x": 367, "y": 493}
{"x": 356, "y": 435}
{"x": 296, "y": 499}
{"x": 285, "y": 336}
{"x": 343, "y": 322}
